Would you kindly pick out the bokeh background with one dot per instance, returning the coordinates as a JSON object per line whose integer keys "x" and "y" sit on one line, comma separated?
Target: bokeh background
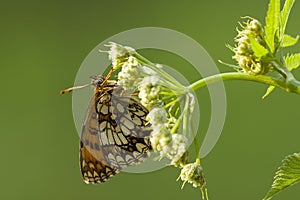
{"x": 42, "y": 46}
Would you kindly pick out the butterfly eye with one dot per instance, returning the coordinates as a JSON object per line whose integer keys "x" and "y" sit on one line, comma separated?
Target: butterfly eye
{"x": 97, "y": 80}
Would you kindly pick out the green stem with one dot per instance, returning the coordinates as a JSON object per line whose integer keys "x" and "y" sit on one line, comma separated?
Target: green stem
{"x": 171, "y": 103}
{"x": 177, "y": 123}
{"x": 197, "y": 149}
{"x": 290, "y": 80}
{"x": 242, "y": 76}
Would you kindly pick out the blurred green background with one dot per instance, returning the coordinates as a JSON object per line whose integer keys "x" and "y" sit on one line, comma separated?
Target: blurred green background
{"x": 42, "y": 46}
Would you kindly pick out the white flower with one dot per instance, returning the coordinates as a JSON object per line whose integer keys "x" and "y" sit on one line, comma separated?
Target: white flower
{"x": 175, "y": 149}
{"x": 157, "y": 116}
{"x": 131, "y": 74}
{"x": 193, "y": 174}
{"x": 160, "y": 137}
{"x": 149, "y": 89}
{"x": 118, "y": 53}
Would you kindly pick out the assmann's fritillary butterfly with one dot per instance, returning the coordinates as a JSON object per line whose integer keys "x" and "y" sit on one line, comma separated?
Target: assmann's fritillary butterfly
{"x": 115, "y": 133}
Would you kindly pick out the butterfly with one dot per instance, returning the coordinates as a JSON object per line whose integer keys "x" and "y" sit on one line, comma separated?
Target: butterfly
{"x": 115, "y": 133}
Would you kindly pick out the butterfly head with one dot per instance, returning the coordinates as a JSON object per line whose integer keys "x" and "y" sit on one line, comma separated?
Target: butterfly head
{"x": 97, "y": 80}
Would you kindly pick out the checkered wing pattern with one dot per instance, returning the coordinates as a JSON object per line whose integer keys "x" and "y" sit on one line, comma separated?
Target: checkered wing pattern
{"x": 115, "y": 135}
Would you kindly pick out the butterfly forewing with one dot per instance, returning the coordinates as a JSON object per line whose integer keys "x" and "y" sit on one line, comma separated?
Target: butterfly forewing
{"x": 115, "y": 134}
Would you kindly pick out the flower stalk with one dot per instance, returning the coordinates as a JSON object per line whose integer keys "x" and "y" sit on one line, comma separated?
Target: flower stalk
{"x": 280, "y": 83}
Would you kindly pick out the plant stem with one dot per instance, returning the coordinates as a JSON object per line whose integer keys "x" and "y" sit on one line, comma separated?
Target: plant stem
{"x": 177, "y": 124}
{"x": 242, "y": 76}
{"x": 197, "y": 149}
{"x": 171, "y": 103}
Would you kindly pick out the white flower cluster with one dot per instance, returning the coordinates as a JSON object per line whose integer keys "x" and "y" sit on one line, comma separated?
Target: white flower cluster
{"x": 193, "y": 174}
{"x": 119, "y": 54}
{"x": 136, "y": 75}
{"x": 133, "y": 75}
{"x": 175, "y": 149}
{"x": 160, "y": 135}
{"x": 149, "y": 89}
{"x": 244, "y": 54}
{"x": 172, "y": 146}
{"x": 130, "y": 74}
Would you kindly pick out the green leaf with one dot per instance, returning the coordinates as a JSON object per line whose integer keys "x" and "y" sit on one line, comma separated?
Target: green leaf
{"x": 284, "y": 15}
{"x": 268, "y": 92}
{"x": 287, "y": 175}
{"x": 258, "y": 49}
{"x": 292, "y": 61}
{"x": 272, "y": 23}
{"x": 288, "y": 40}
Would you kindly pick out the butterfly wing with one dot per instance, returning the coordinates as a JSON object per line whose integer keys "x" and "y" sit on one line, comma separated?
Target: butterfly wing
{"x": 125, "y": 128}
{"x": 93, "y": 164}
{"x": 115, "y": 135}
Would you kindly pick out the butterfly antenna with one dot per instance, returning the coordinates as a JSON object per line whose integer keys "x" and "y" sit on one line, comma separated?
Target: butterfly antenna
{"x": 74, "y": 88}
{"x": 83, "y": 86}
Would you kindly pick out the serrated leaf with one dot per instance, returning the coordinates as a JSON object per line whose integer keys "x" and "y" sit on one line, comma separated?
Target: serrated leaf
{"x": 272, "y": 23}
{"x": 292, "y": 61}
{"x": 288, "y": 40}
{"x": 287, "y": 175}
{"x": 258, "y": 49}
{"x": 284, "y": 15}
{"x": 269, "y": 91}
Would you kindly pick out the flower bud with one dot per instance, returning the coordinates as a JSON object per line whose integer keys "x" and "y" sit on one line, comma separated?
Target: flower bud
{"x": 244, "y": 54}
{"x": 193, "y": 174}
{"x": 255, "y": 26}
